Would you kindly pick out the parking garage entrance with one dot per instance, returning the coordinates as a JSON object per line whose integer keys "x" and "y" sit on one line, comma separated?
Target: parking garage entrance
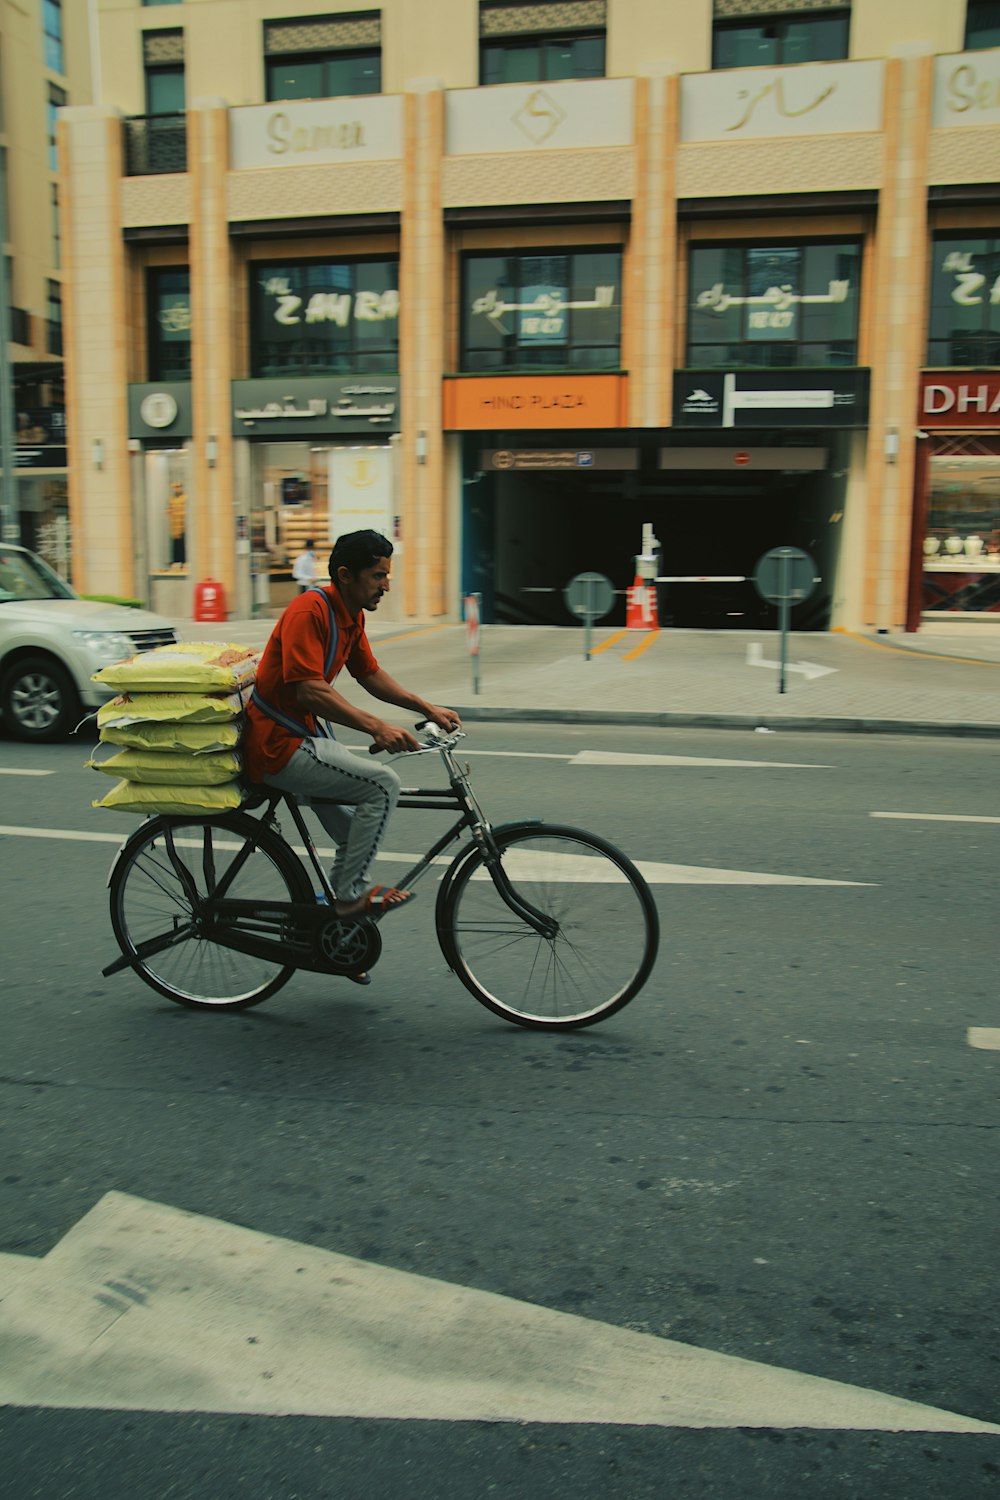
{"x": 535, "y": 516}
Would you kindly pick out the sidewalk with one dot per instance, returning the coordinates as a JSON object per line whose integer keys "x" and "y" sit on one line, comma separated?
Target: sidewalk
{"x": 932, "y": 683}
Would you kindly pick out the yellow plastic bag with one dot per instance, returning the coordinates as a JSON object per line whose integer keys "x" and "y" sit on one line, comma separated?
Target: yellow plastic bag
{"x": 198, "y": 801}
{"x": 179, "y": 739}
{"x": 184, "y": 667}
{"x": 177, "y": 708}
{"x": 163, "y": 768}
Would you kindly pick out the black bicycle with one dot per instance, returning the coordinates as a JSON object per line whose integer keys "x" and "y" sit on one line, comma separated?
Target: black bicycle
{"x": 548, "y": 926}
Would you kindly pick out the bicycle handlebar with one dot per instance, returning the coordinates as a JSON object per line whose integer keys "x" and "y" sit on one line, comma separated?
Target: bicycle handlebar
{"x": 433, "y": 738}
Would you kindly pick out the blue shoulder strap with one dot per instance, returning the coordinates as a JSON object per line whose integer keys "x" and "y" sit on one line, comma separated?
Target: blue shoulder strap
{"x": 295, "y": 726}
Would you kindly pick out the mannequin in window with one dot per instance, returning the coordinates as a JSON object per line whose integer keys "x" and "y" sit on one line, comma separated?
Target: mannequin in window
{"x": 176, "y": 519}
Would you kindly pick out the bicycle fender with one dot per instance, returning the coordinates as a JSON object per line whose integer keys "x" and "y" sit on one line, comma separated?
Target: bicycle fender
{"x": 465, "y": 854}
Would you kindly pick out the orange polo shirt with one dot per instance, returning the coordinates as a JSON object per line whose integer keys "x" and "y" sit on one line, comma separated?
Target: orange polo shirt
{"x": 295, "y": 653}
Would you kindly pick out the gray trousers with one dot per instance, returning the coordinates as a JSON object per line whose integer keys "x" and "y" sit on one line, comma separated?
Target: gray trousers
{"x": 364, "y": 794}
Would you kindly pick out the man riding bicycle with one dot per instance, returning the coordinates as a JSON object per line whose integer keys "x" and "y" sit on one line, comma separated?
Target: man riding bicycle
{"x": 320, "y": 632}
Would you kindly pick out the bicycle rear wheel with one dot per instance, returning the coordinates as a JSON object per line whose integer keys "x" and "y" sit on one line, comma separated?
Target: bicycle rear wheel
{"x": 601, "y": 954}
{"x": 151, "y": 901}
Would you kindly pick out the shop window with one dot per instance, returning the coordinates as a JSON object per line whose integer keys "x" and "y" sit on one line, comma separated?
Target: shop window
{"x": 323, "y": 57}
{"x": 545, "y": 310}
{"x": 982, "y": 24}
{"x": 962, "y": 535}
{"x": 965, "y": 301}
{"x": 773, "y": 305}
{"x": 168, "y": 302}
{"x": 324, "y": 317}
{"x": 52, "y": 35}
{"x": 532, "y": 41}
{"x": 770, "y": 40}
{"x": 168, "y": 518}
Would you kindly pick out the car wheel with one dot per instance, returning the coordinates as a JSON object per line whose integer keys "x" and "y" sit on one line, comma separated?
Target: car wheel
{"x": 38, "y": 699}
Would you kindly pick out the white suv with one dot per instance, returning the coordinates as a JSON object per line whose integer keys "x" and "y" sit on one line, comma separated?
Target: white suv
{"x": 51, "y": 642}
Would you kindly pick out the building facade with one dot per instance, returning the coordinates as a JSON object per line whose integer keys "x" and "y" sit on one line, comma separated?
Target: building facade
{"x": 510, "y": 281}
{"x": 44, "y": 66}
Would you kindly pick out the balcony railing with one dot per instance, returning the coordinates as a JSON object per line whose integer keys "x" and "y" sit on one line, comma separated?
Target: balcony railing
{"x": 155, "y": 144}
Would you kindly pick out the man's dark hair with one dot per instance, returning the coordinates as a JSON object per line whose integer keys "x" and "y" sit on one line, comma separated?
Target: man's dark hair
{"x": 356, "y": 550}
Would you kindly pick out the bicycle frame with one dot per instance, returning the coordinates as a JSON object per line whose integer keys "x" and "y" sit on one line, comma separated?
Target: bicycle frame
{"x": 268, "y": 918}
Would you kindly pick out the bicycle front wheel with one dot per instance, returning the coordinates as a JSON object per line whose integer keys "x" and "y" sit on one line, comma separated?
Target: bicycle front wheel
{"x": 164, "y": 870}
{"x": 601, "y": 953}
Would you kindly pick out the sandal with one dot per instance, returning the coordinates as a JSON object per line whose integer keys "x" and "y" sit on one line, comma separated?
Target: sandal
{"x": 383, "y": 899}
{"x": 363, "y": 978}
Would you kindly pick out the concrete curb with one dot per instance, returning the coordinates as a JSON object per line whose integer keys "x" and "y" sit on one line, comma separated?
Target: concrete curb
{"x": 474, "y": 712}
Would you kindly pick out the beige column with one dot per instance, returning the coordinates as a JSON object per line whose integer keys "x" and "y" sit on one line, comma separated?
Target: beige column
{"x": 212, "y": 323}
{"x": 95, "y": 347}
{"x": 422, "y": 357}
{"x": 898, "y": 319}
{"x": 650, "y": 311}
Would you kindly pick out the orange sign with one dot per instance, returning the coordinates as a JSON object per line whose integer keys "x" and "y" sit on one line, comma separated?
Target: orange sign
{"x": 511, "y": 402}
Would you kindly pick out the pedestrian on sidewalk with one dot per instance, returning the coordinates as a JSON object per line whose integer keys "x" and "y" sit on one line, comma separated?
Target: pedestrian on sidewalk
{"x": 304, "y": 569}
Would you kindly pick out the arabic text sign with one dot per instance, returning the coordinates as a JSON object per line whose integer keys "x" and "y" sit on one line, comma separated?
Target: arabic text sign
{"x": 741, "y": 104}
{"x": 316, "y": 132}
{"x": 967, "y": 89}
{"x": 324, "y": 406}
{"x": 533, "y": 117}
{"x": 771, "y": 398}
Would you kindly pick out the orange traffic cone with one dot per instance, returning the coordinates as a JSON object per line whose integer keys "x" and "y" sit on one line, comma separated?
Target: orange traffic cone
{"x": 640, "y": 606}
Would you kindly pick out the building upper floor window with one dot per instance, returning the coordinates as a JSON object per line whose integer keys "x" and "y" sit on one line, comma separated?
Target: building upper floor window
{"x": 780, "y": 32}
{"x": 168, "y": 318}
{"x": 163, "y": 66}
{"x": 982, "y": 24}
{"x": 773, "y": 305}
{"x": 54, "y": 329}
{"x": 52, "y": 30}
{"x": 57, "y": 98}
{"x": 534, "y": 41}
{"x": 965, "y": 300}
{"x": 324, "y": 317}
{"x": 323, "y": 57}
{"x": 544, "y": 309}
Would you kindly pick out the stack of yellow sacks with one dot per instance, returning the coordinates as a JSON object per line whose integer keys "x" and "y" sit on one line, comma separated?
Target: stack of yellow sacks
{"x": 179, "y": 721}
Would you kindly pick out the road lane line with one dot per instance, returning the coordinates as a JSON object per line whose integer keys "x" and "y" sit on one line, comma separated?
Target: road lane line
{"x": 13, "y": 771}
{"x": 143, "y": 1307}
{"x": 936, "y": 817}
{"x": 986, "y": 1037}
{"x": 624, "y": 758}
{"x": 571, "y": 868}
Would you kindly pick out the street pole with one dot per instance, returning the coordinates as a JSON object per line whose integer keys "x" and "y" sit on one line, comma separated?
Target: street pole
{"x": 784, "y": 570}
{"x": 10, "y": 530}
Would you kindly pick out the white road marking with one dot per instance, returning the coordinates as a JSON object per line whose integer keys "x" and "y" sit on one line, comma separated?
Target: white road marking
{"x": 13, "y": 771}
{"x": 986, "y": 1037}
{"x": 616, "y": 758}
{"x": 144, "y": 1307}
{"x": 810, "y": 669}
{"x": 577, "y": 868}
{"x": 936, "y": 817}
{"x": 570, "y": 867}
{"x": 13, "y": 1270}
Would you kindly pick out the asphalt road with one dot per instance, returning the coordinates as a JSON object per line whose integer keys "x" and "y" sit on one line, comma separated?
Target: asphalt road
{"x": 784, "y": 1149}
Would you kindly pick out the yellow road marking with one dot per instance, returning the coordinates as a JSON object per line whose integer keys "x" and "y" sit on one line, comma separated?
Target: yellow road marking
{"x": 612, "y": 640}
{"x": 424, "y": 630}
{"x": 642, "y": 646}
{"x": 963, "y": 661}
